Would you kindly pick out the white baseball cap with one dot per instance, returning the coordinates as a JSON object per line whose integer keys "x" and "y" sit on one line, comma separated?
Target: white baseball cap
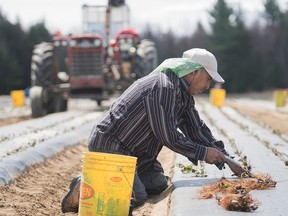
{"x": 207, "y": 60}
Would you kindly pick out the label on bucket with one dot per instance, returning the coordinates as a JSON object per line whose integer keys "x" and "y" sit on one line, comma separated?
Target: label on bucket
{"x": 86, "y": 191}
{"x": 116, "y": 179}
{"x": 100, "y": 204}
{"x": 106, "y": 187}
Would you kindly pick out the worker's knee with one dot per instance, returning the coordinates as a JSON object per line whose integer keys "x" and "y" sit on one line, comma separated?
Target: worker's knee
{"x": 149, "y": 182}
{"x": 139, "y": 200}
{"x": 139, "y": 192}
{"x": 155, "y": 182}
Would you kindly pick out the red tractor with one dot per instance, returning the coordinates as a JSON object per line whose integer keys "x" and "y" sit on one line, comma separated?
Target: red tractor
{"x": 89, "y": 65}
{"x": 50, "y": 86}
{"x": 87, "y": 68}
{"x": 132, "y": 57}
{"x": 71, "y": 66}
{"x": 128, "y": 56}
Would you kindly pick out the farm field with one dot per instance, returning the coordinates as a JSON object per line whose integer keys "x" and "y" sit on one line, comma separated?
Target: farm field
{"x": 51, "y": 149}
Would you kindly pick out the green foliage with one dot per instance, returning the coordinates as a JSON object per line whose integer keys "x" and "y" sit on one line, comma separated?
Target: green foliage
{"x": 249, "y": 58}
{"x": 230, "y": 43}
{"x": 273, "y": 12}
{"x": 277, "y": 52}
{"x": 224, "y": 185}
{"x": 185, "y": 169}
{"x": 221, "y": 26}
{"x": 15, "y": 53}
{"x": 38, "y": 33}
{"x": 196, "y": 171}
{"x": 277, "y": 131}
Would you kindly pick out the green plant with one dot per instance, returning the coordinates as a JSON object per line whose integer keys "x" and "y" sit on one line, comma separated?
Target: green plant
{"x": 198, "y": 171}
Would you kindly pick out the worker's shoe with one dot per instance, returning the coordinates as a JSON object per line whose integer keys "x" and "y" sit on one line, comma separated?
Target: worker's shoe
{"x": 70, "y": 202}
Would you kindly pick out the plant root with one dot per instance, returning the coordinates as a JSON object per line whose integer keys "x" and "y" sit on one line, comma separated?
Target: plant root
{"x": 238, "y": 202}
{"x": 233, "y": 194}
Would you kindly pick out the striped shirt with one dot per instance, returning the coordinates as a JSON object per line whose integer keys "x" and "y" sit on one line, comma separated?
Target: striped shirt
{"x": 147, "y": 117}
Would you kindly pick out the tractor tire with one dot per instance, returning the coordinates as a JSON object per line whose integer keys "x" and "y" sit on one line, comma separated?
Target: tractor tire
{"x": 146, "y": 59}
{"x": 42, "y": 64}
{"x": 99, "y": 102}
{"x": 44, "y": 81}
{"x": 60, "y": 103}
{"x": 37, "y": 104}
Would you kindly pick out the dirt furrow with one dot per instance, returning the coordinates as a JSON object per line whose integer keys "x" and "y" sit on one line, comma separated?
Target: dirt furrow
{"x": 14, "y": 119}
{"x": 275, "y": 120}
{"x": 39, "y": 191}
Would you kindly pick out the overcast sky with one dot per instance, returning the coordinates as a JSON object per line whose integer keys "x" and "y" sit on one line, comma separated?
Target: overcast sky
{"x": 180, "y": 15}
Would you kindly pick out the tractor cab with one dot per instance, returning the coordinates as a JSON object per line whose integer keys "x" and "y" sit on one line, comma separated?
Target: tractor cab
{"x": 127, "y": 41}
{"x": 86, "y": 58}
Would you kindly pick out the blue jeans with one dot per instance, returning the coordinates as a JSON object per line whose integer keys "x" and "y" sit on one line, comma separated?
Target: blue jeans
{"x": 149, "y": 182}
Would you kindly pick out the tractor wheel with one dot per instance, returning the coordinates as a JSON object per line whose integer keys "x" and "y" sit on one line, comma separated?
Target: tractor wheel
{"x": 37, "y": 104}
{"x": 42, "y": 64}
{"x": 99, "y": 102}
{"x": 44, "y": 80}
{"x": 60, "y": 103}
{"x": 146, "y": 58}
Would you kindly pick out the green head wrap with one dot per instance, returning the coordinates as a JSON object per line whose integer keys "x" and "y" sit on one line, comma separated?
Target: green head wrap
{"x": 180, "y": 66}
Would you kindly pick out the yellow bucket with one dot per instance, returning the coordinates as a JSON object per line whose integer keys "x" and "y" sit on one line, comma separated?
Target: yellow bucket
{"x": 18, "y": 98}
{"x": 217, "y": 97}
{"x": 106, "y": 184}
{"x": 280, "y": 98}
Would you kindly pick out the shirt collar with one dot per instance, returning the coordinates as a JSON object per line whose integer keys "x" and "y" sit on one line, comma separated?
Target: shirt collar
{"x": 184, "y": 85}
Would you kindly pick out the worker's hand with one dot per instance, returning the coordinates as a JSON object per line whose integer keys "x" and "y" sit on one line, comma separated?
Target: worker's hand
{"x": 214, "y": 156}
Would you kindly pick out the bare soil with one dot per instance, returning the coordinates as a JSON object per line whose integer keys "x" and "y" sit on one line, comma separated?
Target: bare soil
{"x": 275, "y": 120}
{"x": 13, "y": 120}
{"x": 40, "y": 190}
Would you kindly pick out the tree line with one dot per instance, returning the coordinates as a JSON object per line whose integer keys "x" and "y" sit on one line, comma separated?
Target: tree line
{"x": 16, "y": 47}
{"x": 250, "y": 58}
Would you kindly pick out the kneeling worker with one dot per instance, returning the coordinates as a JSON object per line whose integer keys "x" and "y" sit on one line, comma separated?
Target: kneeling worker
{"x": 147, "y": 117}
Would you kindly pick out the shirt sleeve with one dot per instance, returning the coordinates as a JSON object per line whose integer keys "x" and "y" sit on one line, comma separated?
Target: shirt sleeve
{"x": 195, "y": 129}
{"x": 160, "y": 108}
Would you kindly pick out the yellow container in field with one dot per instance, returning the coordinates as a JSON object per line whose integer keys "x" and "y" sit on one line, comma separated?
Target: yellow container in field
{"x": 217, "y": 96}
{"x": 106, "y": 184}
{"x": 18, "y": 98}
{"x": 280, "y": 97}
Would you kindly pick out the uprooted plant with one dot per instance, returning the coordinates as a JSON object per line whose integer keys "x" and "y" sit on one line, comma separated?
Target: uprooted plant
{"x": 233, "y": 195}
